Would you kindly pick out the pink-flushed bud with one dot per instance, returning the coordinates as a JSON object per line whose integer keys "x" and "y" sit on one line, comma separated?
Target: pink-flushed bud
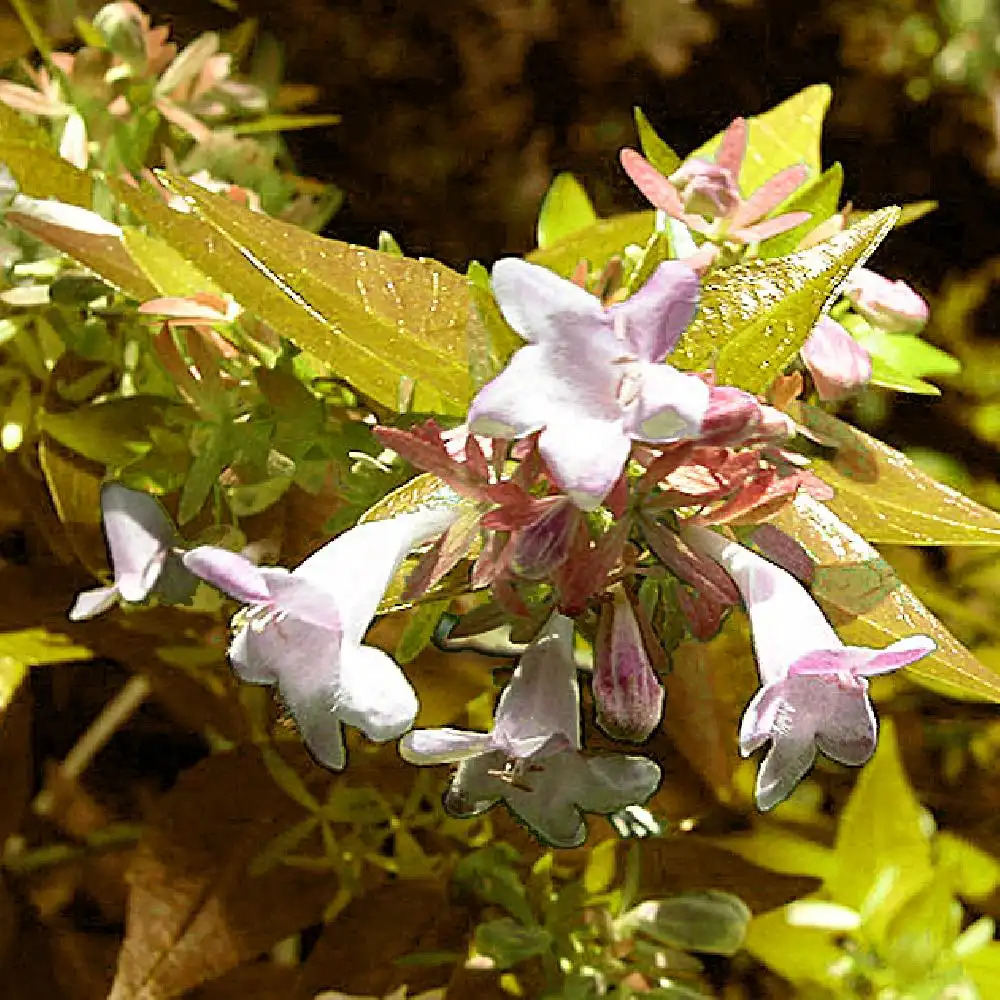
{"x": 892, "y": 306}
{"x": 706, "y": 189}
{"x": 733, "y": 415}
{"x": 535, "y": 551}
{"x": 838, "y": 364}
{"x": 627, "y": 692}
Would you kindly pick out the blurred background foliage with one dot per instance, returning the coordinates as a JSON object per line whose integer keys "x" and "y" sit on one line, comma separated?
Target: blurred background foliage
{"x": 267, "y": 877}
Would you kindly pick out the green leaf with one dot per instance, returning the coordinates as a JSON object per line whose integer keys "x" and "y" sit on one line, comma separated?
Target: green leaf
{"x": 659, "y": 154}
{"x": 39, "y": 170}
{"x": 753, "y": 318}
{"x": 114, "y": 432}
{"x": 882, "y": 828}
{"x": 283, "y": 123}
{"x": 378, "y": 320}
{"x": 800, "y": 954}
{"x": 168, "y": 271}
{"x": 104, "y": 255}
{"x": 870, "y": 606}
{"x": 601, "y": 863}
{"x": 490, "y": 874}
{"x": 500, "y": 340}
{"x": 32, "y": 647}
{"x": 820, "y": 198}
{"x": 711, "y": 921}
{"x": 597, "y": 243}
{"x": 507, "y": 942}
{"x": 885, "y": 497}
{"x": 419, "y": 630}
{"x": 973, "y": 874}
{"x": 787, "y": 134}
{"x": 901, "y": 361}
{"x": 565, "y": 210}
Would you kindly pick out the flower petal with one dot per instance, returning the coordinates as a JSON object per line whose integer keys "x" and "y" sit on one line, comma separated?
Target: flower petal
{"x": 786, "y": 764}
{"x": 89, "y": 603}
{"x": 373, "y": 694}
{"x": 848, "y": 730}
{"x": 585, "y": 455}
{"x": 862, "y": 661}
{"x": 139, "y": 534}
{"x": 658, "y": 190}
{"x": 301, "y": 598}
{"x": 475, "y": 787}
{"x": 539, "y": 304}
{"x": 733, "y": 146}
{"x": 357, "y": 566}
{"x": 838, "y": 364}
{"x": 654, "y": 318}
{"x": 518, "y": 401}
{"x": 229, "y": 572}
{"x": 770, "y": 195}
{"x": 613, "y": 781}
{"x": 441, "y": 746}
{"x": 546, "y": 800}
{"x": 773, "y": 598}
{"x": 670, "y": 406}
{"x": 543, "y": 697}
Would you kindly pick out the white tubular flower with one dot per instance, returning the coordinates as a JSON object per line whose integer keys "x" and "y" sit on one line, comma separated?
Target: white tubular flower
{"x": 141, "y": 540}
{"x": 814, "y": 689}
{"x": 303, "y": 630}
{"x": 531, "y": 760}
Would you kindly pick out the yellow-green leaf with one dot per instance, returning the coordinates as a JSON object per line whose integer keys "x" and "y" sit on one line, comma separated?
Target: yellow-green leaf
{"x": 597, "y": 243}
{"x": 165, "y": 269}
{"x": 870, "y": 606}
{"x": 787, "y": 134}
{"x": 885, "y": 497}
{"x": 32, "y": 647}
{"x": 753, "y": 318}
{"x": 565, "y": 210}
{"x": 378, "y": 320}
{"x": 659, "y": 154}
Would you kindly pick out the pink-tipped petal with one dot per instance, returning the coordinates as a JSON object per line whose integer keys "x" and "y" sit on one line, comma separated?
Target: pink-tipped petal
{"x": 653, "y": 319}
{"x": 769, "y": 227}
{"x": 301, "y": 598}
{"x": 770, "y": 195}
{"x": 537, "y": 303}
{"x": 658, "y": 190}
{"x": 229, "y": 572}
{"x": 733, "y": 147}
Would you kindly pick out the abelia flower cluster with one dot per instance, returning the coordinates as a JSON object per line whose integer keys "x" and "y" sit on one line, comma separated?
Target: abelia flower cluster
{"x": 587, "y": 474}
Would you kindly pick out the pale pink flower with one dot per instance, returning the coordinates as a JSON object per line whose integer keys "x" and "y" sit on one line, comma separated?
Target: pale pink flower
{"x": 839, "y": 365}
{"x": 892, "y": 306}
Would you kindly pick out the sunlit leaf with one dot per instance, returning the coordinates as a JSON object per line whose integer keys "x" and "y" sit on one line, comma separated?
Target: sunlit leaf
{"x": 103, "y": 254}
{"x": 659, "y": 154}
{"x": 820, "y": 198}
{"x": 870, "y": 605}
{"x": 882, "y": 835}
{"x": 754, "y": 317}
{"x": 565, "y": 210}
{"x": 378, "y": 320}
{"x": 885, "y": 497}
{"x": 166, "y": 270}
{"x": 599, "y": 873}
{"x": 114, "y": 432}
{"x": 596, "y": 244}
{"x": 283, "y": 123}
{"x": 787, "y": 134}
{"x": 40, "y": 172}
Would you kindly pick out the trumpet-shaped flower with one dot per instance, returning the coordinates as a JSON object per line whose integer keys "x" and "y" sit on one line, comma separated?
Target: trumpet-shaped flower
{"x": 141, "y": 540}
{"x": 531, "y": 760}
{"x": 303, "y": 630}
{"x": 814, "y": 690}
{"x": 892, "y": 306}
{"x": 591, "y": 378}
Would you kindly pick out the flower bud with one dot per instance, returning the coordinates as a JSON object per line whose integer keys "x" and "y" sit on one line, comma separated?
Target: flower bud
{"x": 892, "y": 306}
{"x": 706, "y": 189}
{"x": 732, "y": 416}
{"x": 838, "y": 364}
{"x": 626, "y": 689}
{"x": 122, "y": 26}
{"x": 540, "y": 547}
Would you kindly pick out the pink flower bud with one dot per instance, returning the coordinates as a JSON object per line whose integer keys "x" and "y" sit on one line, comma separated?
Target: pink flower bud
{"x": 706, "y": 189}
{"x": 838, "y": 364}
{"x": 539, "y": 548}
{"x": 892, "y": 306}
{"x": 626, "y": 689}
{"x": 732, "y": 416}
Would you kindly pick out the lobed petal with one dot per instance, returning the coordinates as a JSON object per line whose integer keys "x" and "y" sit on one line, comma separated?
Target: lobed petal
{"x": 442, "y": 746}
{"x": 93, "y": 602}
{"x": 540, "y": 305}
{"x": 785, "y": 765}
{"x": 229, "y": 572}
{"x": 300, "y": 598}
{"x": 372, "y": 694}
{"x": 670, "y": 406}
{"x": 586, "y": 456}
{"x": 653, "y": 319}
{"x": 839, "y": 365}
{"x": 614, "y": 781}
{"x": 518, "y": 401}
{"x": 139, "y": 535}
